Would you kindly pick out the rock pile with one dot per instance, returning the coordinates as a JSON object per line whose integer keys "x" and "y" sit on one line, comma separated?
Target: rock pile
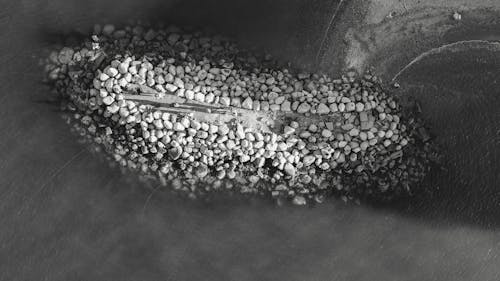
{"x": 312, "y": 136}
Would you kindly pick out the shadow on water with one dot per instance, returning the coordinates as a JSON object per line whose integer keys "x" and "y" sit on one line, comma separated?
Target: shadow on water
{"x": 292, "y": 34}
{"x": 459, "y": 94}
{"x": 458, "y": 88}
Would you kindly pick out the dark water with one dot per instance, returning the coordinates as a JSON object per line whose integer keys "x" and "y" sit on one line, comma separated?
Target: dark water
{"x": 460, "y": 95}
{"x": 65, "y": 215}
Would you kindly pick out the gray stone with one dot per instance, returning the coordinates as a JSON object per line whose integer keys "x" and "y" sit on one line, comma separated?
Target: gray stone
{"x": 303, "y": 108}
{"x": 322, "y": 109}
{"x": 247, "y": 103}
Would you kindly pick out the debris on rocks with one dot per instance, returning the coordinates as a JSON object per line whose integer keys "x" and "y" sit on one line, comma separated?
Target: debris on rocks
{"x": 200, "y": 115}
{"x": 457, "y": 16}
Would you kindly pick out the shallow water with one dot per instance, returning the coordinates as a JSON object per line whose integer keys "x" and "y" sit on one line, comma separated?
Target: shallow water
{"x": 66, "y": 215}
